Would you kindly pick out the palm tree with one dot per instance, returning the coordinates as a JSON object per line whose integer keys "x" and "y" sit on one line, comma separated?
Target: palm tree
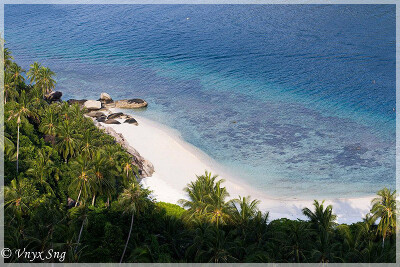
{"x": 352, "y": 242}
{"x": 101, "y": 184}
{"x": 17, "y": 77}
{"x": 87, "y": 145}
{"x": 198, "y": 193}
{"x": 37, "y": 97}
{"x": 384, "y": 207}
{"x": 325, "y": 249}
{"x": 21, "y": 111}
{"x": 75, "y": 111}
{"x": 195, "y": 250}
{"x": 207, "y": 197}
{"x": 45, "y": 80}
{"x": 8, "y": 145}
{"x": 211, "y": 245}
{"x": 84, "y": 178}
{"x": 128, "y": 169}
{"x": 258, "y": 227}
{"x": 7, "y": 58}
{"x": 242, "y": 210}
{"x": 298, "y": 234}
{"x": 79, "y": 213}
{"x": 41, "y": 167}
{"x": 322, "y": 221}
{"x": 9, "y": 90}
{"x": 65, "y": 111}
{"x": 133, "y": 200}
{"x": 19, "y": 196}
{"x": 68, "y": 140}
{"x": 218, "y": 248}
{"x": 196, "y": 204}
{"x": 321, "y": 218}
{"x": 34, "y": 72}
{"x": 111, "y": 154}
{"x": 49, "y": 122}
{"x": 217, "y": 209}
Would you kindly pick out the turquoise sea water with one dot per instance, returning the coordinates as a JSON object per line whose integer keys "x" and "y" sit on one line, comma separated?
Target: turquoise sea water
{"x": 296, "y": 100}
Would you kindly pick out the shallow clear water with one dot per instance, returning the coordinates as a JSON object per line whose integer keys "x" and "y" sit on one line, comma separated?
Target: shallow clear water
{"x": 297, "y": 100}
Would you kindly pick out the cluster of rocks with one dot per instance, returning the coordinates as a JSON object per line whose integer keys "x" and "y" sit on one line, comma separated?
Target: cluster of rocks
{"x": 99, "y": 109}
{"x": 111, "y": 118}
{"x": 105, "y": 102}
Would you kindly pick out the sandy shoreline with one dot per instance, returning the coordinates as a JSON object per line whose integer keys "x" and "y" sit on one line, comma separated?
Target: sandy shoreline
{"x": 176, "y": 163}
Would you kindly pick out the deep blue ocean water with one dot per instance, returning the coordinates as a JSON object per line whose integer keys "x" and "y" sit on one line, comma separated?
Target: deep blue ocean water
{"x": 296, "y": 100}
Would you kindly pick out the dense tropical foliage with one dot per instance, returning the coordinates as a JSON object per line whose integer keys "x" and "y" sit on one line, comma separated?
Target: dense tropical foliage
{"x": 71, "y": 188}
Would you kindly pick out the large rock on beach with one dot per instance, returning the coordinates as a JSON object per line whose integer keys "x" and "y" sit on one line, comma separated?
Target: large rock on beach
{"x": 53, "y": 96}
{"x": 115, "y": 115}
{"x": 131, "y": 103}
{"x": 76, "y": 101}
{"x": 107, "y": 104}
{"x": 131, "y": 121}
{"x": 105, "y": 97}
{"x": 106, "y": 101}
{"x": 101, "y": 119}
{"x": 112, "y": 121}
{"x": 96, "y": 114}
{"x": 92, "y": 105}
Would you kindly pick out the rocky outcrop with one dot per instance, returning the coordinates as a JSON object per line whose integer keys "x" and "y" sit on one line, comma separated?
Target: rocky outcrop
{"x": 106, "y": 101}
{"x": 96, "y": 114}
{"x": 53, "y": 96}
{"x": 112, "y": 121}
{"x": 92, "y": 105}
{"x": 131, "y": 103}
{"x": 76, "y": 101}
{"x": 101, "y": 119}
{"x": 108, "y": 104}
{"x": 105, "y": 97}
{"x": 100, "y": 116}
{"x": 146, "y": 168}
{"x": 131, "y": 121}
{"x": 115, "y": 115}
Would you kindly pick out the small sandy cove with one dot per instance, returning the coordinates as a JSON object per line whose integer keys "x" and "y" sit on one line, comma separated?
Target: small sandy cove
{"x": 176, "y": 163}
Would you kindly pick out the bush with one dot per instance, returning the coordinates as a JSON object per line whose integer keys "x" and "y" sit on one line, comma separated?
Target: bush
{"x": 171, "y": 209}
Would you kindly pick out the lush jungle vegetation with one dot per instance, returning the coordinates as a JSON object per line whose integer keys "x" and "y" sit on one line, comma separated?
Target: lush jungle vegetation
{"x": 69, "y": 187}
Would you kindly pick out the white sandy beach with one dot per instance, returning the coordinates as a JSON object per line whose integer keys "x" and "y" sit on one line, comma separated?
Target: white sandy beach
{"x": 176, "y": 163}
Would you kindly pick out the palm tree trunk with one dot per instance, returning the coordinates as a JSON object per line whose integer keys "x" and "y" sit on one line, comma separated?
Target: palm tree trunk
{"x": 77, "y": 200}
{"x": 127, "y": 241}
{"x": 17, "y": 146}
{"x": 108, "y": 201}
{"x": 80, "y": 233}
{"x": 137, "y": 178}
{"x": 94, "y": 197}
